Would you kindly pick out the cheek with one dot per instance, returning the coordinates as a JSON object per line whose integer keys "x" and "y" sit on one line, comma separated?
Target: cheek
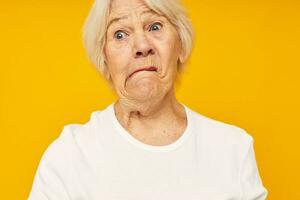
{"x": 114, "y": 50}
{"x": 173, "y": 42}
{"x": 117, "y": 67}
{"x": 168, "y": 46}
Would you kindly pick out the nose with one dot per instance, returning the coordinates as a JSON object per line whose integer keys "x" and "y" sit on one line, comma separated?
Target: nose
{"x": 143, "y": 47}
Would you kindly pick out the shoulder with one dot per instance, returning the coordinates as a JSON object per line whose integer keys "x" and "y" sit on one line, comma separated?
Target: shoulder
{"x": 220, "y": 135}
{"x": 73, "y": 138}
{"x": 62, "y": 161}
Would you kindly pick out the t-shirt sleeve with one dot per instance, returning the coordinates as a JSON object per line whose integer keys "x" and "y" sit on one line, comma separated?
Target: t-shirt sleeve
{"x": 251, "y": 184}
{"x": 48, "y": 183}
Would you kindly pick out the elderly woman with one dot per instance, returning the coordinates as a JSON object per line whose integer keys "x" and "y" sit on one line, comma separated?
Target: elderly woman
{"x": 146, "y": 145}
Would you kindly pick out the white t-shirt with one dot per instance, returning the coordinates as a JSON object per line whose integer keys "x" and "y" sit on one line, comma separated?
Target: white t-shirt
{"x": 99, "y": 160}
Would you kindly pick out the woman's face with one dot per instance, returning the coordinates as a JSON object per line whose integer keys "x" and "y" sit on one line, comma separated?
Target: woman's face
{"x": 141, "y": 51}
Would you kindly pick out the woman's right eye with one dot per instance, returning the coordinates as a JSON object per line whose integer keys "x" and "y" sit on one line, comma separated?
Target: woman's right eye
{"x": 119, "y": 35}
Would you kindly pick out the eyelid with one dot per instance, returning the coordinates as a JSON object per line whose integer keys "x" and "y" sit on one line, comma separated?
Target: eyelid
{"x": 156, "y": 22}
{"x": 117, "y": 32}
{"x": 148, "y": 28}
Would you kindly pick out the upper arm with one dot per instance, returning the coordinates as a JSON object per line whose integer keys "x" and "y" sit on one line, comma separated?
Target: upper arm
{"x": 48, "y": 183}
{"x": 251, "y": 184}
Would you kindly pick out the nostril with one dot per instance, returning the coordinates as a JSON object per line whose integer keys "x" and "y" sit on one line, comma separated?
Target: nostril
{"x": 150, "y": 51}
{"x": 144, "y": 53}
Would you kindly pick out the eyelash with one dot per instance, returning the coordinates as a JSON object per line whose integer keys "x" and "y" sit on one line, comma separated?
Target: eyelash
{"x": 120, "y": 31}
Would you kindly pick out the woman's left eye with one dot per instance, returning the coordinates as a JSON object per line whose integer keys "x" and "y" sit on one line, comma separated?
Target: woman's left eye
{"x": 156, "y": 26}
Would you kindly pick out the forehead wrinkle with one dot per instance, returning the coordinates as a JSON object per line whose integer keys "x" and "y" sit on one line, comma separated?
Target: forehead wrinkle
{"x": 117, "y": 19}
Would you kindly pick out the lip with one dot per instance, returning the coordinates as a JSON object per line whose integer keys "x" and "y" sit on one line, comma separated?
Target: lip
{"x": 145, "y": 68}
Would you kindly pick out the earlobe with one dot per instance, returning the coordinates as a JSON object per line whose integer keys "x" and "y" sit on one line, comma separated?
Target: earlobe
{"x": 104, "y": 58}
{"x": 105, "y": 67}
{"x": 181, "y": 57}
{"x": 106, "y": 73}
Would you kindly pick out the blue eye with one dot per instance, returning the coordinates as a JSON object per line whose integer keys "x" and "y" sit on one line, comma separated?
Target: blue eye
{"x": 156, "y": 26}
{"x": 119, "y": 35}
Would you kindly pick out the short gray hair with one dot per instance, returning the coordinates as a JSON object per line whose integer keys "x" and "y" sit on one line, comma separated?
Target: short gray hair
{"x": 95, "y": 26}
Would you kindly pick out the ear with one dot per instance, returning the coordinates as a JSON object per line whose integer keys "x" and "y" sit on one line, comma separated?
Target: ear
{"x": 106, "y": 73}
{"x": 181, "y": 56}
{"x": 104, "y": 57}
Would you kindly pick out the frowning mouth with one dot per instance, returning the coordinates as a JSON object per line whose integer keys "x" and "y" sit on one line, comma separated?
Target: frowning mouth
{"x": 146, "y": 68}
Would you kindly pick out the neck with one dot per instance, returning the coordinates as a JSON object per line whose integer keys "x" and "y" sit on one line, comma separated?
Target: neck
{"x": 149, "y": 113}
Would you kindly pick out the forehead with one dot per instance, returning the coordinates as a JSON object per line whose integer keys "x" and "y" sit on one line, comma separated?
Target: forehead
{"x": 125, "y": 7}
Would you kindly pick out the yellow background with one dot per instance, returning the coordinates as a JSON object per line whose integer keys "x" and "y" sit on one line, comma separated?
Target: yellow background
{"x": 243, "y": 71}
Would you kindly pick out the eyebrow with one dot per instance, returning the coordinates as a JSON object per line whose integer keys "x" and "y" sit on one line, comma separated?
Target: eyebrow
{"x": 116, "y": 19}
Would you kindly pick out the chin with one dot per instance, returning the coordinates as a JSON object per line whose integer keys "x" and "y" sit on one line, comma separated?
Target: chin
{"x": 144, "y": 93}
